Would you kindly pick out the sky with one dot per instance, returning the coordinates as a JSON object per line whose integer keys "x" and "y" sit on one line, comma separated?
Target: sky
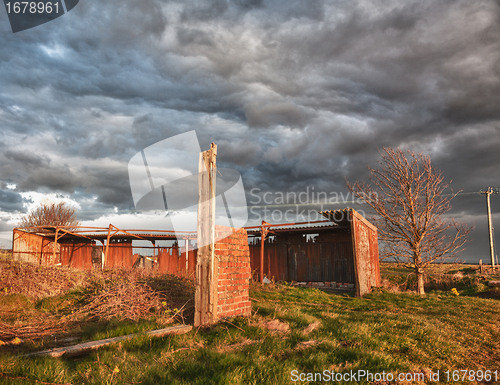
{"x": 299, "y": 96}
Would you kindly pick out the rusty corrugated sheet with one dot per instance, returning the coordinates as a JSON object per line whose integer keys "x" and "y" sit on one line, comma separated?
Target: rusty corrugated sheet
{"x": 291, "y": 258}
{"x": 119, "y": 254}
{"x": 366, "y": 260}
{"x": 347, "y": 253}
{"x": 35, "y": 248}
{"x": 76, "y": 254}
{"x": 170, "y": 261}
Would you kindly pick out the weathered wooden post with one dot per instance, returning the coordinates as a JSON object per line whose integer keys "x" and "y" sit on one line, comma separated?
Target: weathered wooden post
{"x": 206, "y": 265}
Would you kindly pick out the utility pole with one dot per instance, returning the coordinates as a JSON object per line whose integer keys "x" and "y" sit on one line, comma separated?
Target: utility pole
{"x": 488, "y": 192}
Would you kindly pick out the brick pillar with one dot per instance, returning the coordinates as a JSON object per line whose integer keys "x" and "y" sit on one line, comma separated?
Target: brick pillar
{"x": 234, "y": 272}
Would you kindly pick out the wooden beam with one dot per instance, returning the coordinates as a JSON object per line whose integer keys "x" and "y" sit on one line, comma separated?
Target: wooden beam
{"x": 87, "y": 346}
{"x": 206, "y": 268}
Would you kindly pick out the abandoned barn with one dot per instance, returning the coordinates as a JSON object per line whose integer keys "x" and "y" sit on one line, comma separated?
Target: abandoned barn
{"x": 341, "y": 252}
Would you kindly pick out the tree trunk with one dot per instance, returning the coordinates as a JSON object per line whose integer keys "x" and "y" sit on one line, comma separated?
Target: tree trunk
{"x": 420, "y": 282}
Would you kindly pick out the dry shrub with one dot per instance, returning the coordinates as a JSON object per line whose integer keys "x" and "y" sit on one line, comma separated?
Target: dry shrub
{"x": 38, "y": 281}
{"x": 115, "y": 293}
{"x": 131, "y": 300}
{"x": 137, "y": 294}
{"x": 448, "y": 281}
{"x": 392, "y": 287}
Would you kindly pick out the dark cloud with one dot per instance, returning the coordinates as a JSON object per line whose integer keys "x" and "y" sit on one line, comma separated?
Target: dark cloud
{"x": 272, "y": 114}
{"x": 248, "y": 4}
{"x": 27, "y": 159}
{"x": 11, "y": 201}
{"x": 296, "y": 94}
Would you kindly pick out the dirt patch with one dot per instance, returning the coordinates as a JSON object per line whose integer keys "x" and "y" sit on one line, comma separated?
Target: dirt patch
{"x": 275, "y": 326}
{"x": 306, "y": 344}
{"x": 311, "y": 327}
{"x": 232, "y": 347}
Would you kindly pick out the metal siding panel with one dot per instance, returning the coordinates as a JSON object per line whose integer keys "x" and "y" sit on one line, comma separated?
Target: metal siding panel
{"x": 33, "y": 248}
{"x": 330, "y": 258}
{"x": 364, "y": 262}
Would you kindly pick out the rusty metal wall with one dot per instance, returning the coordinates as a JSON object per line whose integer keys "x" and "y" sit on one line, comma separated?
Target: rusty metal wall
{"x": 76, "y": 255}
{"x": 119, "y": 254}
{"x": 366, "y": 258}
{"x": 30, "y": 247}
{"x": 192, "y": 257}
{"x": 291, "y": 258}
{"x": 317, "y": 262}
{"x": 170, "y": 261}
{"x": 275, "y": 260}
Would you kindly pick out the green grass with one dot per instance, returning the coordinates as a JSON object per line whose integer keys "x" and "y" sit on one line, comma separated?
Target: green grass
{"x": 382, "y": 332}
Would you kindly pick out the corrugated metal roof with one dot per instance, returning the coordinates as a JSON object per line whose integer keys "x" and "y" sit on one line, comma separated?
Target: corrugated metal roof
{"x": 341, "y": 216}
{"x": 298, "y": 228}
{"x": 119, "y": 234}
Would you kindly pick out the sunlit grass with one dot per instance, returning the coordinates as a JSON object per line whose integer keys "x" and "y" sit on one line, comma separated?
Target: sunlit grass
{"x": 383, "y": 331}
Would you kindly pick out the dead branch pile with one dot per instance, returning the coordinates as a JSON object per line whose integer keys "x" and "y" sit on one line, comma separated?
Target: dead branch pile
{"x": 33, "y": 329}
{"x": 129, "y": 300}
{"x": 102, "y": 296}
{"x": 37, "y": 281}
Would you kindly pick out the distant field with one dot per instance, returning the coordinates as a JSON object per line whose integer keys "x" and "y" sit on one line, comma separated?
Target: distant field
{"x": 292, "y": 334}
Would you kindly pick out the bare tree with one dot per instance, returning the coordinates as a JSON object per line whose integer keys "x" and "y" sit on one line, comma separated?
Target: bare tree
{"x": 51, "y": 214}
{"x": 407, "y": 195}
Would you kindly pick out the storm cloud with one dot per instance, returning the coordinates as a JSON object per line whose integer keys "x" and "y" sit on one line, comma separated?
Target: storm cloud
{"x": 296, "y": 94}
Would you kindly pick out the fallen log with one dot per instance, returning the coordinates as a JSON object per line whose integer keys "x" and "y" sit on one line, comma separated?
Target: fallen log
{"x": 88, "y": 346}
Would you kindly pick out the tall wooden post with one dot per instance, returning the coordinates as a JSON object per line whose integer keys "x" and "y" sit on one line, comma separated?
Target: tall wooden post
{"x": 206, "y": 265}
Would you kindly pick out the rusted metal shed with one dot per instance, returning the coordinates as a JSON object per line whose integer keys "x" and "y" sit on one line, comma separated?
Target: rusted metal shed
{"x": 88, "y": 247}
{"x": 341, "y": 253}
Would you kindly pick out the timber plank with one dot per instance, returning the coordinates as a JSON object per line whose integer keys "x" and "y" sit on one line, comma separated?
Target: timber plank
{"x": 92, "y": 345}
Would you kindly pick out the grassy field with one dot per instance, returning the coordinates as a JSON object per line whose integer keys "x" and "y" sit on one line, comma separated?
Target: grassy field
{"x": 294, "y": 334}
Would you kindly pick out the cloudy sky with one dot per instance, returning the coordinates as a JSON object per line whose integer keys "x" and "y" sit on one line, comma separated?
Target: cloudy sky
{"x": 297, "y": 95}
